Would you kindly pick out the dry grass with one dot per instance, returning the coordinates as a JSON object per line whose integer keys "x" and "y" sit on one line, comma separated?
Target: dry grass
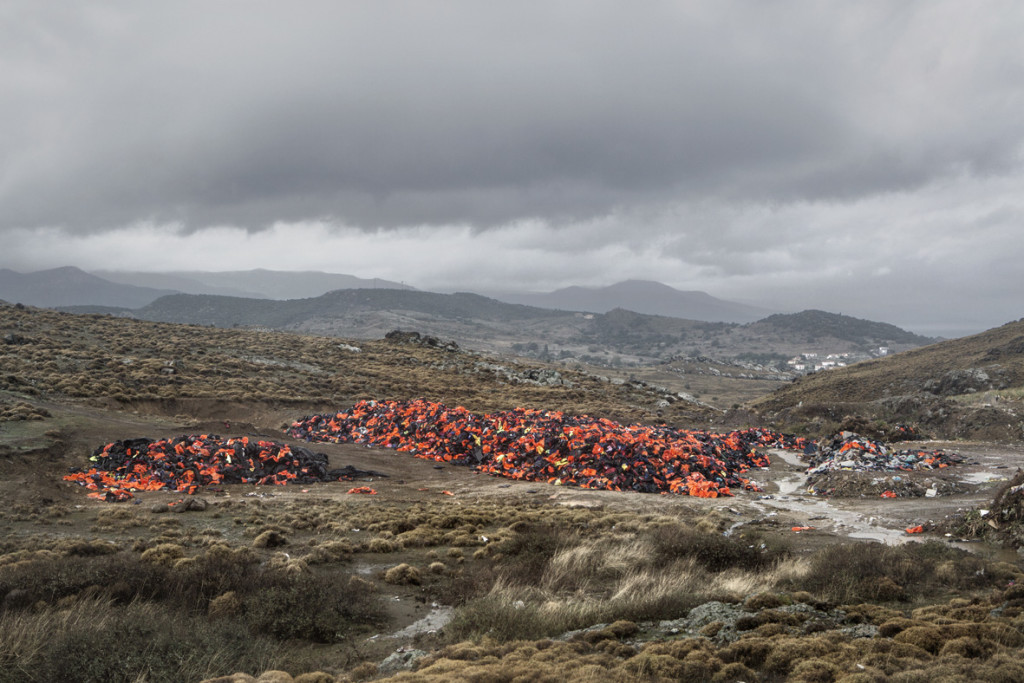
{"x": 94, "y": 640}
{"x": 183, "y": 368}
{"x": 544, "y": 570}
{"x": 549, "y": 579}
{"x": 199, "y": 593}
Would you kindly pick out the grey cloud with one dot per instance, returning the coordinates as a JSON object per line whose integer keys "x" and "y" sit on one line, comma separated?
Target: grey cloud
{"x": 387, "y": 114}
{"x": 866, "y": 157}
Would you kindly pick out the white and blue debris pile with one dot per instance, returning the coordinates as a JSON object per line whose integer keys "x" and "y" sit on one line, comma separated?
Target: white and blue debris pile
{"x": 850, "y": 451}
{"x": 849, "y": 464}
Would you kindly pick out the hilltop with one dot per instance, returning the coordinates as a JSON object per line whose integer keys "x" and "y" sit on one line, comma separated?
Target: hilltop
{"x": 808, "y": 327}
{"x": 258, "y": 283}
{"x": 641, "y": 296}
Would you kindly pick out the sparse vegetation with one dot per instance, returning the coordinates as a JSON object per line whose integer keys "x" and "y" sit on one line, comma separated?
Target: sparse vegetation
{"x": 317, "y": 583}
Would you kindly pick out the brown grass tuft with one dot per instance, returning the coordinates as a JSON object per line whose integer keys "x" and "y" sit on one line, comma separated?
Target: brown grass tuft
{"x": 270, "y": 539}
{"x": 403, "y": 574}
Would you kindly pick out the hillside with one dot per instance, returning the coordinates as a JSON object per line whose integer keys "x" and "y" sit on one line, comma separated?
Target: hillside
{"x": 807, "y": 327}
{"x": 121, "y": 361}
{"x": 768, "y": 341}
{"x": 339, "y": 306}
{"x": 965, "y": 385}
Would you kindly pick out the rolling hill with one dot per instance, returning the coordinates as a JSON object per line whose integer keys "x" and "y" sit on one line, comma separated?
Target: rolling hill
{"x": 641, "y": 296}
{"x": 618, "y": 337}
{"x": 969, "y": 385}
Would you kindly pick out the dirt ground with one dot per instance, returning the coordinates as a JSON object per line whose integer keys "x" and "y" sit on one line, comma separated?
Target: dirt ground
{"x": 35, "y": 454}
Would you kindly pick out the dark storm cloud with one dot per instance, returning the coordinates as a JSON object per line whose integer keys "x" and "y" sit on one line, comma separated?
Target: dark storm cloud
{"x": 862, "y": 156}
{"x": 481, "y": 113}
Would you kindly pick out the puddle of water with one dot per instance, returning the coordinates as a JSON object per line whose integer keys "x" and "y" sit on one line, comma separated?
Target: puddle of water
{"x": 983, "y": 477}
{"x": 883, "y": 535}
{"x": 791, "y": 458}
{"x": 823, "y": 513}
{"x": 791, "y": 484}
{"x": 435, "y": 620}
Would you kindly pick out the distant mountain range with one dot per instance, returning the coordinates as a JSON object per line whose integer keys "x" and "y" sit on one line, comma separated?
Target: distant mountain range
{"x": 641, "y": 296}
{"x": 618, "y": 337}
{"x": 70, "y": 286}
{"x": 254, "y": 284}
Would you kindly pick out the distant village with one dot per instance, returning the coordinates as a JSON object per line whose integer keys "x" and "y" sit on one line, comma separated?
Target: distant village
{"x": 815, "y": 362}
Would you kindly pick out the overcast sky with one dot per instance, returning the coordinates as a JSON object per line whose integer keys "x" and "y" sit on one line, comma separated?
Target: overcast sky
{"x": 865, "y": 158}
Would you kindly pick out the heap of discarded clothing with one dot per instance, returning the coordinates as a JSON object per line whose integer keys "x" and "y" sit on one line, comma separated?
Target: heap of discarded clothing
{"x": 548, "y": 446}
{"x": 188, "y": 462}
{"x": 849, "y": 451}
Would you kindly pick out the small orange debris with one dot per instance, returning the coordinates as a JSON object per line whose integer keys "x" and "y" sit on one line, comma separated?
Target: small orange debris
{"x": 915, "y": 529}
{"x": 888, "y": 494}
{"x": 448, "y": 493}
{"x": 802, "y": 528}
{"x": 363, "y": 489}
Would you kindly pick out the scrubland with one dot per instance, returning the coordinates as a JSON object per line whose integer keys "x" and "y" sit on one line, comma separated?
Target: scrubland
{"x": 496, "y": 582}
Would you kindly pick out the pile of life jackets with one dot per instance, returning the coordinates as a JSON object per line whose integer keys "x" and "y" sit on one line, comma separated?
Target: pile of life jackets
{"x": 188, "y": 462}
{"x": 850, "y": 451}
{"x": 548, "y": 446}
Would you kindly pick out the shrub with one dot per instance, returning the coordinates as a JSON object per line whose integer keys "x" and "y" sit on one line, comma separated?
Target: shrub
{"x": 225, "y": 605}
{"x": 712, "y": 551}
{"x": 269, "y": 539}
{"x": 848, "y": 574}
{"x": 527, "y": 553}
{"x": 164, "y": 554}
{"x": 403, "y": 574}
{"x": 98, "y": 641}
{"x": 380, "y": 545}
{"x": 313, "y": 608}
{"x": 501, "y": 619}
{"x": 50, "y": 578}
